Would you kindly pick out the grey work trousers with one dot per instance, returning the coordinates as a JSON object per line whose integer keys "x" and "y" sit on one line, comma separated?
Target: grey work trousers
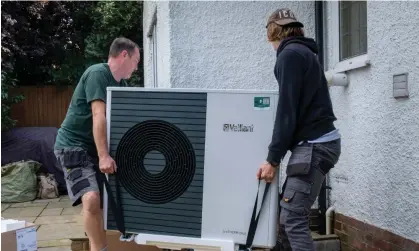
{"x": 306, "y": 170}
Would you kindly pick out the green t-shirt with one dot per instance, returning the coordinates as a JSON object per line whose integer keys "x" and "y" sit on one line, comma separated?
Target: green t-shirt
{"x": 77, "y": 127}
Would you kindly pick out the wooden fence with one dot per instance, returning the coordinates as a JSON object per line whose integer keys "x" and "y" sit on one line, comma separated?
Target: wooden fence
{"x": 43, "y": 106}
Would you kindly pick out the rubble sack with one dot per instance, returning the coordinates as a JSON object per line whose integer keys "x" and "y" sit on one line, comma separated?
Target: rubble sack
{"x": 19, "y": 181}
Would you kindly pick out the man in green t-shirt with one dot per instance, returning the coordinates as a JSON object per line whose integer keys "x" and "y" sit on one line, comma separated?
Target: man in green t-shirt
{"x": 81, "y": 144}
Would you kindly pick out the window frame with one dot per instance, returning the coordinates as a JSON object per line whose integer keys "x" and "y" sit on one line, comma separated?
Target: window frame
{"x": 152, "y": 36}
{"x": 154, "y": 54}
{"x": 348, "y": 64}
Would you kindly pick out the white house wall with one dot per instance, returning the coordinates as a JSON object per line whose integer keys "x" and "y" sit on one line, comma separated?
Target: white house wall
{"x": 377, "y": 177}
{"x": 217, "y": 44}
{"x": 161, "y": 9}
{"x": 223, "y": 44}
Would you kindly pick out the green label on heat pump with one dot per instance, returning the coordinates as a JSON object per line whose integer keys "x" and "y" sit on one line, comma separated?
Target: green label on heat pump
{"x": 262, "y": 103}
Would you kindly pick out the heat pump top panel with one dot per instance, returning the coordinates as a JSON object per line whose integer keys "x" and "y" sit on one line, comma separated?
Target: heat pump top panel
{"x": 187, "y": 161}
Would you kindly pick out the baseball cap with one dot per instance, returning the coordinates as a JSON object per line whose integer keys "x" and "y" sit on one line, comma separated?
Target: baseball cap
{"x": 284, "y": 17}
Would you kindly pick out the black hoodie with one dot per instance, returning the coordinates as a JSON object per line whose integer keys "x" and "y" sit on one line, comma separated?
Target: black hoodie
{"x": 304, "y": 110}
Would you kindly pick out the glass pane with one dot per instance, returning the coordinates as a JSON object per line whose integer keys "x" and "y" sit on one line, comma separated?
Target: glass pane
{"x": 344, "y": 50}
{"x": 364, "y": 40}
{"x": 344, "y": 20}
{"x": 344, "y": 16}
{"x": 353, "y": 28}
{"x": 363, "y": 27}
{"x": 362, "y": 13}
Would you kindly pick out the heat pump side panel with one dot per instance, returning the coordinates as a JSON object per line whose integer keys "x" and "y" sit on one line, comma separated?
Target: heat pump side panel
{"x": 239, "y": 130}
{"x": 186, "y": 111}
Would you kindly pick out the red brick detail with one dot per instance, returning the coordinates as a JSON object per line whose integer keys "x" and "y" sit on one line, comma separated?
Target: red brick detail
{"x": 338, "y": 225}
{"x": 356, "y": 235}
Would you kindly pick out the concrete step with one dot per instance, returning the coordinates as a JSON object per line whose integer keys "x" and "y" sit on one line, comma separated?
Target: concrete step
{"x": 326, "y": 242}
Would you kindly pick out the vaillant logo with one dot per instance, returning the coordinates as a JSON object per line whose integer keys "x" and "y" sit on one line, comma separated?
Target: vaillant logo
{"x": 237, "y": 128}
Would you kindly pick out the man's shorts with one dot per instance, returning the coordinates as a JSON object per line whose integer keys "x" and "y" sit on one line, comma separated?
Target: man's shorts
{"x": 81, "y": 172}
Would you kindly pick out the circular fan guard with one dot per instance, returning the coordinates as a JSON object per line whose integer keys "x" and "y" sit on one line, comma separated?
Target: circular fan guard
{"x": 179, "y": 154}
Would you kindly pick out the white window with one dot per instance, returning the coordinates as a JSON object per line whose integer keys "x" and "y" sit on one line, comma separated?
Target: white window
{"x": 349, "y": 35}
{"x": 353, "y": 29}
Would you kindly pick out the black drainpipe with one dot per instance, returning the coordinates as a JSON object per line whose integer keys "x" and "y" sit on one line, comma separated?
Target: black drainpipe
{"x": 318, "y": 5}
{"x": 319, "y": 37}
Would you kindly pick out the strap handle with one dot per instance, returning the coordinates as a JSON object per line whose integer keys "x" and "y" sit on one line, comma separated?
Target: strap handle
{"x": 119, "y": 217}
{"x": 255, "y": 218}
{"x": 115, "y": 206}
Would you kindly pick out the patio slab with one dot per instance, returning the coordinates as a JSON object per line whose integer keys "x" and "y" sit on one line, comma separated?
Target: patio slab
{"x": 55, "y": 249}
{"x": 51, "y": 212}
{"x": 60, "y": 231}
{"x": 30, "y": 211}
{"x": 59, "y": 204}
{"x": 56, "y": 220}
{"x": 72, "y": 211}
{"x": 4, "y": 206}
{"x": 59, "y": 219}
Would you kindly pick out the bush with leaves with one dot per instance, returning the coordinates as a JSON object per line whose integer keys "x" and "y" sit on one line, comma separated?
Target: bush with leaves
{"x": 9, "y": 51}
{"x": 53, "y": 42}
{"x": 45, "y": 40}
{"x": 7, "y": 100}
{"x": 112, "y": 20}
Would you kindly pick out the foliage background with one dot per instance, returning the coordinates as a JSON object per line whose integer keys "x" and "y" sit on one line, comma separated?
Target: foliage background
{"x": 53, "y": 42}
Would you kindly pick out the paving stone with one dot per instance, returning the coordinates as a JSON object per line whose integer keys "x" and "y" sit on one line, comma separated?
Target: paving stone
{"x": 22, "y": 212}
{"x": 59, "y": 219}
{"x": 60, "y": 231}
{"x": 55, "y": 249}
{"x": 4, "y": 206}
{"x": 327, "y": 245}
{"x": 59, "y": 204}
{"x": 72, "y": 211}
{"x": 47, "y": 200}
{"x": 52, "y": 211}
{"x": 29, "y": 204}
{"x": 64, "y": 198}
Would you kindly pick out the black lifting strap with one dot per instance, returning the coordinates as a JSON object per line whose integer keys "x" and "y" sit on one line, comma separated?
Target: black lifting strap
{"x": 255, "y": 219}
{"x": 115, "y": 206}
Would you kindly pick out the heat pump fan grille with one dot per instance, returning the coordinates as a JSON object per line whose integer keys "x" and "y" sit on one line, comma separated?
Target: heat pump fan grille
{"x": 179, "y": 155}
{"x": 158, "y": 142}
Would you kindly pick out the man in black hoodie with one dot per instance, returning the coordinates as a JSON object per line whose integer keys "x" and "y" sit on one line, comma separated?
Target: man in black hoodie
{"x": 303, "y": 125}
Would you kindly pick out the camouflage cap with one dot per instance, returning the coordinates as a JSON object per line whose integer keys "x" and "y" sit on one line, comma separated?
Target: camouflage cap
{"x": 284, "y": 17}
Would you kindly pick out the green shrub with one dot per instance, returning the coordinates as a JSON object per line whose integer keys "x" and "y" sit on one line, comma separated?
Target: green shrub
{"x": 7, "y": 101}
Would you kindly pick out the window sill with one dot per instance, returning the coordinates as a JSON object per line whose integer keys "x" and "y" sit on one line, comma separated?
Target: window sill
{"x": 351, "y": 64}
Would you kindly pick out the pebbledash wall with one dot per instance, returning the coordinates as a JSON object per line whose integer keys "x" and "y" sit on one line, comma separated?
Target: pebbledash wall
{"x": 376, "y": 179}
{"x": 375, "y": 187}
{"x": 209, "y": 44}
{"x": 213, "y": 44}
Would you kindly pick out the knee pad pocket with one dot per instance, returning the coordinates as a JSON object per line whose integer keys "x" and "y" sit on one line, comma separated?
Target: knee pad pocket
{"x": 296, "y": 197}
{"x": 74, "y": 159}
{"x": 82, "y": 184}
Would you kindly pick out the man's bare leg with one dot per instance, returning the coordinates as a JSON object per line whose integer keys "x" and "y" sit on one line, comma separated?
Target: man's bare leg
{"x": 93, "y": 221}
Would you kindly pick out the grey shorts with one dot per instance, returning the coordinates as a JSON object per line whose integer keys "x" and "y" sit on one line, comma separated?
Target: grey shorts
{"x": 81, "y": 172}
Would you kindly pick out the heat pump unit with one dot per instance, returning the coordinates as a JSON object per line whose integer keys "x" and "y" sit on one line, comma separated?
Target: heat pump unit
{"x": 187, "y": 162}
